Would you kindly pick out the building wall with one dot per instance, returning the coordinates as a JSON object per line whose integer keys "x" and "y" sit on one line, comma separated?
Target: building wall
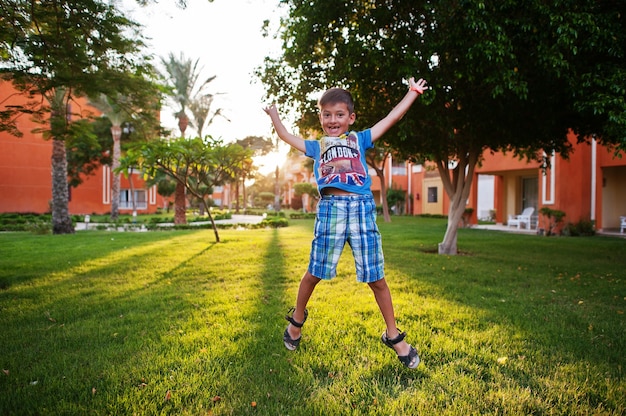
{"x": 610, "y": 190}
{"x": 578, "y": 186}
{"x": 26, "y": 176}
{"x": 573, "y": 193}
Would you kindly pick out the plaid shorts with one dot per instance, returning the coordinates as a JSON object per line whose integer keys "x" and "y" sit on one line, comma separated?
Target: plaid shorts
{"x": 351, "y": 219}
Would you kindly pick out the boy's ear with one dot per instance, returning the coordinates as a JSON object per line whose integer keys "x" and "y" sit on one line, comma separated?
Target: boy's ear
{"x": 352, "y": 118}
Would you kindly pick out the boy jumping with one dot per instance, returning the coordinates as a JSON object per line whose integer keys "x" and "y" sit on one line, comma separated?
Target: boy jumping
{"x": 346, "y": 211}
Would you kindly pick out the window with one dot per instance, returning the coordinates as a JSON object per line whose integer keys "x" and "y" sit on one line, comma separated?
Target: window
{"x": 432, "y": 194}
{"x": 140, "y": 199}
{"x": 398, "y": 168}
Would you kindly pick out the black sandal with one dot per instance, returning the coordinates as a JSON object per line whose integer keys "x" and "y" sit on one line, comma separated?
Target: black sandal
{"x": 412, "y": 360}
{"x": 290, "y": 343}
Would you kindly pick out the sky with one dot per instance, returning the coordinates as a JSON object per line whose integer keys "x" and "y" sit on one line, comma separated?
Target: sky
{"x": 226, "y": 37}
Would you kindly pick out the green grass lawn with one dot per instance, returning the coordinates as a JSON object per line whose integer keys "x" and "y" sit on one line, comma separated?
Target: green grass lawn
{"x": 170, "y": 322}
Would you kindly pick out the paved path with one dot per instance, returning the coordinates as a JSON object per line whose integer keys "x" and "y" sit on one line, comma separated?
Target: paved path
{"x": 236, "y": 219}
{"x": 241, "y": 219}
{"x": 613, "y": 232}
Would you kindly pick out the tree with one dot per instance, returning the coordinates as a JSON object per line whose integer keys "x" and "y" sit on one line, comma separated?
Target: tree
{"x": 376, "y": 158}
{"x": 258, "y": 146}
{"x": 61, "y": 49}
{"x": 305, "y": 188}
{"x": 396, "y": 198}
{"x": 200, "y": 108}
{"x": 505, "y": 76}
{"x": 112, "y": 109}
{"x": 125, "y": 122}
{"x": 197, "y": 164}
{"x": 60, "y": 129}
{"x": 86, "y": 149}
{"x": 182, "y": 76}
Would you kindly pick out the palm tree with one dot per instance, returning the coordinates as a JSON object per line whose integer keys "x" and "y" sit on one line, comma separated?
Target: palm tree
{"x": 58, "y": 99}
{"x": 182, "y": 79}
{"x": 200, "y": 108}
{"x": 112, "y": 110}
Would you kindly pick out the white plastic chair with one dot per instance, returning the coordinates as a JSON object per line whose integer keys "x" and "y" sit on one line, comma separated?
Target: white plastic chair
{"x": 622, "y": 225}
{"x": 523, "y": 218}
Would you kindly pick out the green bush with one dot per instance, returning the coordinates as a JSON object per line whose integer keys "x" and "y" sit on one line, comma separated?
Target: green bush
{"x": 581, "y": 228}
{"x": 24, "y": 222}
{"x": 274, "y": 222}
{"x": 302, "y": 215}
{"x": 39, "y": 227}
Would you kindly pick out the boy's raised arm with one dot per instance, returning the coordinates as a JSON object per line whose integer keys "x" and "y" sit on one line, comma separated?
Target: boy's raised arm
{"x": 281, "y": 130}
{"x": 415, "y": 90}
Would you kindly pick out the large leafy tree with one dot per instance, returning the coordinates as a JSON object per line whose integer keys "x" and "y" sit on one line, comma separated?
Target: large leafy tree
{"x": 188, "y": 92}
{"x": 506, "y": 75}
{"x": 62, "y": 49}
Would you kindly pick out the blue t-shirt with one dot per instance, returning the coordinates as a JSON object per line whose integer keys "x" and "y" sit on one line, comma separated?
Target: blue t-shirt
{"x": 340, "y": 162}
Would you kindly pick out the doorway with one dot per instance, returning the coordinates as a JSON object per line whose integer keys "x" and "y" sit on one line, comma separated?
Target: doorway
{"x": 530, "y": 195}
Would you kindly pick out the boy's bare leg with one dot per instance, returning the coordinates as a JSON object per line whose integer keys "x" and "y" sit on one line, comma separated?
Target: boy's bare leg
{"x": 383, "y": 299}
{"x": 307, "y": 285}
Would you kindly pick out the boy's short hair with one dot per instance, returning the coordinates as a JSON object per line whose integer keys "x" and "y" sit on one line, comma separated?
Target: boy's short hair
{"x": 336, "y": 95}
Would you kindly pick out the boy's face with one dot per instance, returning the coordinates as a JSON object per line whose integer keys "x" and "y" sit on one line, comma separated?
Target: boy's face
{"x": 336, "y": 119}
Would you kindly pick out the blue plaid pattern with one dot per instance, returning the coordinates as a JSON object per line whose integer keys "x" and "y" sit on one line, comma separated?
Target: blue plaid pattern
{"x": 347, "y": 219}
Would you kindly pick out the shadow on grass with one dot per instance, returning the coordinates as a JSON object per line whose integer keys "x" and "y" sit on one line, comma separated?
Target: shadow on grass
{"x": 105, "y": 323}
{"x": 67, "y": 251}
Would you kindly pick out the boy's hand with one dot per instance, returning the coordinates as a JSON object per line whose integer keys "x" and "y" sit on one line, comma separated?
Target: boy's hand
{"x": 419, "y": 87}
{"x": 270, "y": 109}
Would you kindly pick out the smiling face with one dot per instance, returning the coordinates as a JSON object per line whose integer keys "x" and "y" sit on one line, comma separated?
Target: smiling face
{"x": 336, "y": 118}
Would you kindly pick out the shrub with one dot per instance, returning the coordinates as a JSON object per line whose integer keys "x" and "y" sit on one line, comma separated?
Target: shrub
{"x": 554, "y": 217}
{"x": 302, "y": 215}
{"x": 39, "y": 227}
{"x": 274, "y": 222}
{"x": 581, "y": 228}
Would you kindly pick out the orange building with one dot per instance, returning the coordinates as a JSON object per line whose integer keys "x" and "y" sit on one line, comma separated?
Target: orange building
{"x": 422, "y": 184}
{"x": 589, "y": 186}
{"x": 26, "y": 180}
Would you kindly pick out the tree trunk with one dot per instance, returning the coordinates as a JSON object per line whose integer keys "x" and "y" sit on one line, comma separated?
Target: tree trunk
{"x": 448, "y": 245}
{"x": 183, "y": 122}
{"x": 208, "y": 210}
{"x": 61, "y": 221}
{"x": 116, "y": 133}
{"x": 276, "y": 191}
{"x": 457, "y": 182}
{"x": 243, "y": 191}
{"x": 373, "y": 161}
{"x": 131, "y": 188}
{"x": 180, "y": 204}
{"x": 383, "y": 194}
{"x": 380, "y": 172}
{"x": 236, "y": 197}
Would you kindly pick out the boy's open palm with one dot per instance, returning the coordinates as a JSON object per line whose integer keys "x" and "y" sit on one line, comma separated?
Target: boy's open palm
{"x": 419, "y": 86}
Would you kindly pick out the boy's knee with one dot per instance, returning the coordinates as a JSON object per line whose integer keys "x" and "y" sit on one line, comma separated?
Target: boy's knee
{"x": 310, "y": 279}
{"x": 378, "y": 285}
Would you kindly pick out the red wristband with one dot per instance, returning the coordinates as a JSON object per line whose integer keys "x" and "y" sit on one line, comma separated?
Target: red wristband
{"x": 416, "y": 90}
